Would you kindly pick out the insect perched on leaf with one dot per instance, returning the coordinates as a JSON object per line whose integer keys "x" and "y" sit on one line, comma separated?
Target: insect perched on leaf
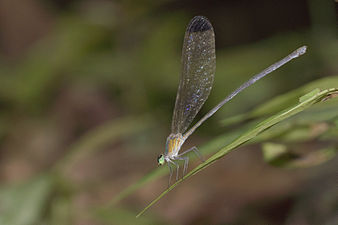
{"x": 199, "y": 66}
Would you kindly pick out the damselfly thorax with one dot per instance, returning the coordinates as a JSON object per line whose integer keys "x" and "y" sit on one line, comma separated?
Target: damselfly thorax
{"x": 173, "y": 145}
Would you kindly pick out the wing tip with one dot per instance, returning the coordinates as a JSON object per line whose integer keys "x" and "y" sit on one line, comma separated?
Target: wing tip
{"x": 199, "y": 24}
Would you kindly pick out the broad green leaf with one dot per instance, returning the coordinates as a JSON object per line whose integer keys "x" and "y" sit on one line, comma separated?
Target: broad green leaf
{"x": 251, "y": 133}
{"x": 24, "y": 204}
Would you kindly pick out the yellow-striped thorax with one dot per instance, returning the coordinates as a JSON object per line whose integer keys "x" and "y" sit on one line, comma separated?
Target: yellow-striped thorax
{"x": 172, "y": 147}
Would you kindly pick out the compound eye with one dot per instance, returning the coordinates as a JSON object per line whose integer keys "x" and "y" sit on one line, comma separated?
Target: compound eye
{"x": 160, "y": 160}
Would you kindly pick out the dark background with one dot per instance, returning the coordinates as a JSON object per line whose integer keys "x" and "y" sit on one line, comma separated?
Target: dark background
{"x": 100, "y": 77}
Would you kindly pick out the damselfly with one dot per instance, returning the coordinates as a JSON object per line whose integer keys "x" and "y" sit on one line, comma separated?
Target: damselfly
{"x": 199, "y": 65}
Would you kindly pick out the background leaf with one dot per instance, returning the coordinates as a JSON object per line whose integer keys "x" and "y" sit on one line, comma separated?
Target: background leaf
{"x": 25, "y": 204}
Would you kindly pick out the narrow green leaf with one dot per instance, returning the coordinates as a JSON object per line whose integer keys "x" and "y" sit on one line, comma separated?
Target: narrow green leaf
{"x": 251, "y": 133}
{"x": 309, "y": 95}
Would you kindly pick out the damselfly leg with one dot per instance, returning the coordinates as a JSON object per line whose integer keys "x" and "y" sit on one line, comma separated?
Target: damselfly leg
{"x": 196, "y": 151}
{"x": 170, "y": 173}
{"x": 186, "y": 162}
{"x": 171, "y": 170}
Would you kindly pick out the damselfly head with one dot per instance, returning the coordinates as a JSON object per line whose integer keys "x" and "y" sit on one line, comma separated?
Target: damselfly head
{"x": 160, "y": 160}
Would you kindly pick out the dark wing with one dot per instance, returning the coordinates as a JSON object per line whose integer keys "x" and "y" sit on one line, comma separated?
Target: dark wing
{"x": 199, "y": 65}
